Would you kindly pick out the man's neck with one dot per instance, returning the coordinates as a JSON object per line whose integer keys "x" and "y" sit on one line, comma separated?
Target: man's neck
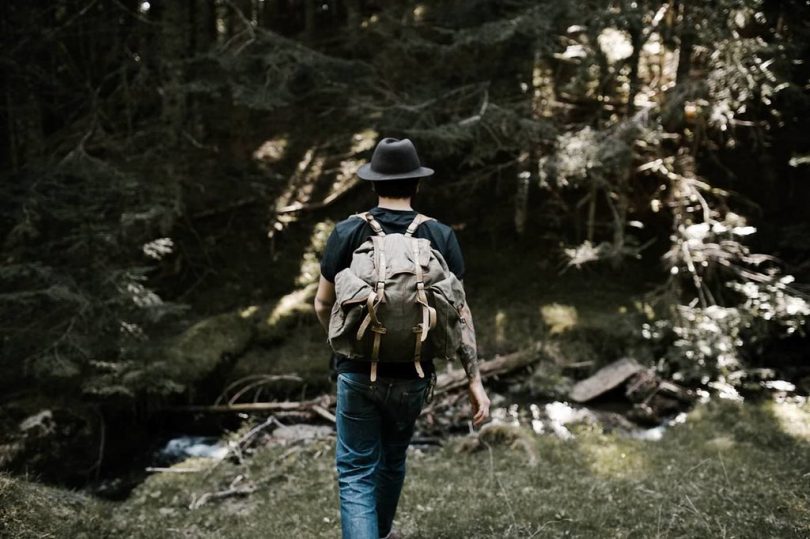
{"x": 395, "y": 203}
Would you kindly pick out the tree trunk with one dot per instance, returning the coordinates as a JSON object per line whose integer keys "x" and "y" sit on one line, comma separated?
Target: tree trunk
{"x": 174, "y": 48}
{"x": 270, "y": 15}
{"x": 637, "y": 42}
{"x": 204, "y": 25}
{"x": 310, "y": 18}
{"x": 686, "y": 46}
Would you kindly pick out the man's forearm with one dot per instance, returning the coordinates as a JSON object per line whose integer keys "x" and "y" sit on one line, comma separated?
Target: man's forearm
{"x": 323, "y": 311}
{"x": 469, "y": 348}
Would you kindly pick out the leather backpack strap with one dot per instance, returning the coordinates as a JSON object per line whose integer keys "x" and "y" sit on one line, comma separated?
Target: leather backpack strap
{"x": 375, "y": 297}
{"x": 428, "y": 313}
{"x": 372, "y": 222}
{"x": 418, "y": 220}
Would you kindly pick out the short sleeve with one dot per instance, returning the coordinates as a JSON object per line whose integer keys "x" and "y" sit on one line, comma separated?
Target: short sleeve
{"x": 453, "y": 256}
{"x": 334, "y": 257}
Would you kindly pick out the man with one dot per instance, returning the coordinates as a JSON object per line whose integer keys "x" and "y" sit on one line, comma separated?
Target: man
{"x": 375, "y": 418}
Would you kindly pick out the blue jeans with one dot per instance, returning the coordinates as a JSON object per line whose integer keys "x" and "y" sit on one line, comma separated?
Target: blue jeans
{"x": 375, "y": 423}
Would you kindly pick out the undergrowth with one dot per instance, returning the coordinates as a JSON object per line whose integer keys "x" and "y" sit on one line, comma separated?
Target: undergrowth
{"x": 731, "y": 470}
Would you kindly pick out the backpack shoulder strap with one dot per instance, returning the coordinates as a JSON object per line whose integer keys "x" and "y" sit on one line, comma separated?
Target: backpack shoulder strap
{"x": 372, "y": 222}
{"x": 418, "y": 220}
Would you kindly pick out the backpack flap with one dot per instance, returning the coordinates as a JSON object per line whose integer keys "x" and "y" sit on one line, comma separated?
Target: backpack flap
{"x": 351, "y": 295}
{"x": 447, "y": 297}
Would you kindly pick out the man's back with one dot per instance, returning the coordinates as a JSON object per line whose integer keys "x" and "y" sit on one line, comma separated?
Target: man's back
{"x": 351, "y": 233}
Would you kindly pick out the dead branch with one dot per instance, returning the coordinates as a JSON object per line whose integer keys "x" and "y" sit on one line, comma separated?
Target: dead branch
{"x": 457, "y": 378}
{"x": 300, "y": 206}
{"x": 232, "y": 490}
{"x": 161, "y": 469}
{"x": 325, "y": 401}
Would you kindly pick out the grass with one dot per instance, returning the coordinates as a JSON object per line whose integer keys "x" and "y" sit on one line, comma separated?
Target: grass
{"x": 732, "y": 470}
{"x": 28, "y": 510}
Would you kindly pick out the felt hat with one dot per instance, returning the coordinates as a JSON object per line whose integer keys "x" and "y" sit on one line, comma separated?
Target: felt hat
{"x": 393, "y": 159}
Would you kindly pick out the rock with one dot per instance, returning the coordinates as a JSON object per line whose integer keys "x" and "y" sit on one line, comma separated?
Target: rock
{"x": 547, "y": 380}
{"x": 199, "y": 350}
{"x": 53, "y": 440}
{"x": 605, "y": 379}
{"x": 192, "y": 446}
{"x": 42, "y": 420}
{"x": 275, "y": 322}
{"x": 302, "y": 432}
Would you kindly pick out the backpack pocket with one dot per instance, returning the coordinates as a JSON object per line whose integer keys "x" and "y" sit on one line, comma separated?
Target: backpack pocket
{"x": 448, "y": 298}
{"x": 351, "y": 294}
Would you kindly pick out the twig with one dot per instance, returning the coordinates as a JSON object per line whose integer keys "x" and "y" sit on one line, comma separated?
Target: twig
{"x": 237, "y": 447}
{"x": 160, "y": 469}
{"x": 232, "y": 490}
{"x": 324, "y": 413}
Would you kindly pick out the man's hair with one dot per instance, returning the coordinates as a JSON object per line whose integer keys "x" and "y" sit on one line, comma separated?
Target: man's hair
{"x": 396, "y": 188}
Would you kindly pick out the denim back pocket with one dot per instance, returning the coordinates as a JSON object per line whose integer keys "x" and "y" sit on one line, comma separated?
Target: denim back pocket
{"x": 411, "y": 402}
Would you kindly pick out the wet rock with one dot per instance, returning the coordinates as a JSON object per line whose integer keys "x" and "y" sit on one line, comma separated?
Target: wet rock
{"x": 184, "y": 447}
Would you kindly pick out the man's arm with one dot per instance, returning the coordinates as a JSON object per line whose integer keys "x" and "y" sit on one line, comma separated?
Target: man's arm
{"x": 324, "y": 299}
{"x": 469, "y": 360}
{"x": 469, "y": 347}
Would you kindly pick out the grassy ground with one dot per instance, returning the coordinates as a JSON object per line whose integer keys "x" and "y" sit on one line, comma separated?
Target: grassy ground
{"x": 731, "y": 470}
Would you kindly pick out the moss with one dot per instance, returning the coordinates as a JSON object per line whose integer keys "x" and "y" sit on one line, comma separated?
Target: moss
{"x": 305, "y": 353}
{"x": 199, "y": 350}
{"x": 31, "y": 510}
{"x": 280, "y": 320}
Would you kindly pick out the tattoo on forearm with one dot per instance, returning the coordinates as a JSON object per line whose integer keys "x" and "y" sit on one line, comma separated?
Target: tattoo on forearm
{"x": 469, "y": 348}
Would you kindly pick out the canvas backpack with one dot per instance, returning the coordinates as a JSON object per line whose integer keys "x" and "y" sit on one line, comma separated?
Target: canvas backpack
{"x": 396, "y": 301}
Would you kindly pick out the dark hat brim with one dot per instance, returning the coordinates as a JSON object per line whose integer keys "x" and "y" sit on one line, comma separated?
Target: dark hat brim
{"x": 365, "y": 173}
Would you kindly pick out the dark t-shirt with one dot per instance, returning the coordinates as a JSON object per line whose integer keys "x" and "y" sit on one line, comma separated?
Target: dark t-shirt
{"x": 350, "y": 233}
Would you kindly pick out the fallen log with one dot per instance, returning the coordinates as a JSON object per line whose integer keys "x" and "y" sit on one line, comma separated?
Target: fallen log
{"x": 447, "y": 381}
{"x": 605, "y": 379}
{"x": 457, "y": 378}
{"x": 315, "y": 406}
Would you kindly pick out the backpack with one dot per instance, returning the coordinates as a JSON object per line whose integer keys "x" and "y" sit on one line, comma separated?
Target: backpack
{"x": 396, "y": 300}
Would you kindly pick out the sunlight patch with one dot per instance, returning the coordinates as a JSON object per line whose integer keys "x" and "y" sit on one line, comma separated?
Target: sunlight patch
{"x": 559, "y": 318}
{"x": 793, "y": 418}
{"x": 271, "y": 150}
{"x": 294, "y": 302}
{"x": 610, "y": 459}
{"x": 615, "y": 44}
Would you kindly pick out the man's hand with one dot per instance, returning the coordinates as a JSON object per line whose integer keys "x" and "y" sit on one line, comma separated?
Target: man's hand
{"x": 478, "y": 400}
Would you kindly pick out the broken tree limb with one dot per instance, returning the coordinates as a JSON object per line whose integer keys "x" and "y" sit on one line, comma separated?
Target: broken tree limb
{"x": 283, "y": 406}
{"x": 457, "y": 378}
{"x": 233, "y": 490}
{"x": 605, "y": 379}
{"x": 309, "y": 206}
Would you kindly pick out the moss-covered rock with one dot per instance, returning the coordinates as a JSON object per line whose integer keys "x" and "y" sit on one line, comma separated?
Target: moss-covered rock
{"x": 199, "y": 350}
{"x": 276, "y": 322}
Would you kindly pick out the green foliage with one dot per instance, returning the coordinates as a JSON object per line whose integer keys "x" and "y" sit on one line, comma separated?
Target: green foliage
{"x": 599, "y": 126}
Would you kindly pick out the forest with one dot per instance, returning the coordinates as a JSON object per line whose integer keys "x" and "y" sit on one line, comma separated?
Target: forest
{"x": 629, "y": 181}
